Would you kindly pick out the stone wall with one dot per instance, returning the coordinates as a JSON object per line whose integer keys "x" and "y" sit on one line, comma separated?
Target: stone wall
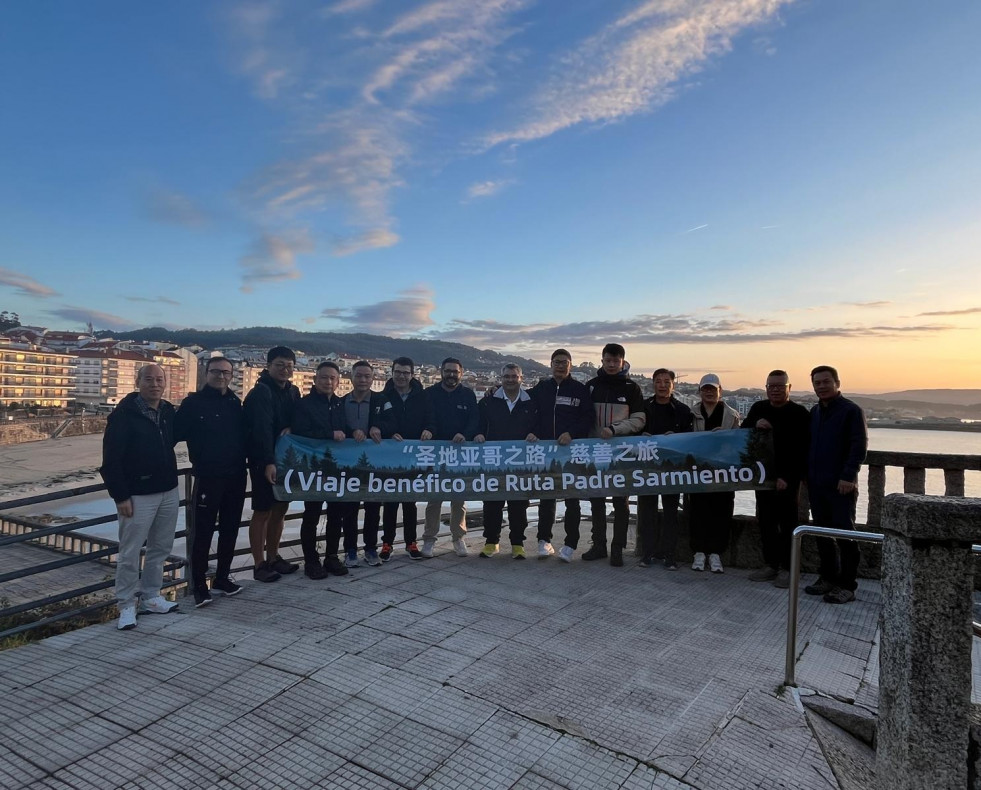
{"x": 37, "y": 428}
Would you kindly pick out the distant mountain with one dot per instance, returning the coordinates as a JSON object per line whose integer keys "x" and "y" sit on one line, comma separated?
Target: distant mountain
{"x": 421, "y": 351}
{"x": 950, "y": 397}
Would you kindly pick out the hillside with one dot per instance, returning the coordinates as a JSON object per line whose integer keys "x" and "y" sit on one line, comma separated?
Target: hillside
{"x": 964, "y": 397}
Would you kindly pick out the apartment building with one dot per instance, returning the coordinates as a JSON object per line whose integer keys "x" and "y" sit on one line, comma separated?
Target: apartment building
{"x": 30, "y": 374}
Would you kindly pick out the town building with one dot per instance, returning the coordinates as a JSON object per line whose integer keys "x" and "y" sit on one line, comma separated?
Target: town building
{"x": 31, "y": 375}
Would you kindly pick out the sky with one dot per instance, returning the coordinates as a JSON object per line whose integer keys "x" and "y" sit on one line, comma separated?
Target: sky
{"x": 724, "y": 186}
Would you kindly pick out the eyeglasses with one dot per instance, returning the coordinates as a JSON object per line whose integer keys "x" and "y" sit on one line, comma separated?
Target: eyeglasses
{"x": 777, "y": 386}
{"x": 401, "y": 372}
{"x": 225, "y": 373}
{"x": 282, "y": 365}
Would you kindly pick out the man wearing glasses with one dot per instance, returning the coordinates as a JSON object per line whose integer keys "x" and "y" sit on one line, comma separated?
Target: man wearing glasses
{"x": 211, "y": 423}
{"x": 268, "y": 413}
{"x": 790, "y": 425}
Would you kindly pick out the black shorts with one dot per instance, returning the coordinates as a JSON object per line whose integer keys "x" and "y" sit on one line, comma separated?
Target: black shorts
{"x": 262, "y": 493}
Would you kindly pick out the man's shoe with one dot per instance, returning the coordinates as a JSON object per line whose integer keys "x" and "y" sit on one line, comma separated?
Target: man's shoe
{"x": 698, "y": 564}
{"x": 763, "y": 575}
{"x": 517, "y": 552}
{"x": 670, "y": 565}
{"x": 545, "y": 550}
{"x": 647, "y": 562}
{"x": 225, "y": 587}
{"x": 715, "y": 564}
{"x": 489, "y": 550}
{"x": 460, "y": 547}
{"x": 783, "y": 579}
{"x": 427, "y": 549}
{"x": 334, "y": 566}
{"x": 202, "y": 597}
{"x": 371, "y": 557}
{"x": 127, "y": 618}
{"x": 264, "y": 573}
{"x": 616, "y": 556}
{"x": 314, "y": 570}
{"x": 413, "y": 550}
{"x": 839, "y": 595}
{"x": 820, "y": 587}
{"x": 282, "y": 567}
{"x": 566, "y": 553}
{"x": 351, "y": 559}
{"x": 386, "y": 552}
{"x": 596, "y": 552}
{"x": 158, "y": 605}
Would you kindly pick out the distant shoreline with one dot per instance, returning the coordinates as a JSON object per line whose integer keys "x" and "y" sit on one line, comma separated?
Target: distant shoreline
{"x": 974, "y": 427}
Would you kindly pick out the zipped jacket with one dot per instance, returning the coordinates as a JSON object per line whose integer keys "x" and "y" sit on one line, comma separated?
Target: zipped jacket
{"x": 839, "y": 441}
{"x": 564, "y": 407}
{"x": 451, "y": 412}
{"x": 676, "y": 419}
{"x": 213, "y": 426}
{"x": 138, "y": 455}
{"x": 317, "y": 416}
{"x": 791, "y": 436}
{"x": 497, "y": 422}
{"x": 268, "y": 410}
{"x": 618, "y": 403}
{"x": 406, "y": 417}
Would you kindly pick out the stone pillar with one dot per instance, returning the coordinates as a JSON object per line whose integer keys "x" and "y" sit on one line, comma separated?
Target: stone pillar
{"x": 925, "y": 654}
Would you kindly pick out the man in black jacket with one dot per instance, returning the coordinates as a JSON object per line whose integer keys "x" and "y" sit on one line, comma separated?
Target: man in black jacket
{"x": 565, "y": 412}
{"x": 211, "y": 423}
{"x": 405, "y": 412}
{"x": 140, "y": 472}
{"x": 268, "y": 412}
{"x": 664, "y": 414}
{"x": 510, "y": 413}
{"x": 320, "y": 415}
{"x": 790, "y": 426}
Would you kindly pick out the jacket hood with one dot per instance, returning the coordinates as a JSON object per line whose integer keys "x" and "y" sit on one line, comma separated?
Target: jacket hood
{"x": 129, "y": 402}
{"x": 623, "y": 374}
{"x": 522, "y": 394}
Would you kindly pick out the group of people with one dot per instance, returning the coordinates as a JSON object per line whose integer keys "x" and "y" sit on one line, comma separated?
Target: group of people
{"x": 230, "y": 441}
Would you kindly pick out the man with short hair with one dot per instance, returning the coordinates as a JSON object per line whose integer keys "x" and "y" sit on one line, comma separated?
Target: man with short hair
{"x": 139, "y": 468}
{"x": 510, "y": 413}
{"x": 268, "y": 412}
{"x": 565, "y": 412}
{"x": 776, "y": 511}
{"x": 320, "y": 415}
{"x": 405, "y": 412}
{"x": 211, "y": 422}
{"x": 839, "y": 441}
{"x": 664, "y": 415}
{"x": 451, "y": 415}
{"x": 619, "y": 406}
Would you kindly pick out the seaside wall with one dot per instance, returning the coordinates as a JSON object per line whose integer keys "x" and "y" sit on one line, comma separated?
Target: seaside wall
{"x": 38, "y": 428}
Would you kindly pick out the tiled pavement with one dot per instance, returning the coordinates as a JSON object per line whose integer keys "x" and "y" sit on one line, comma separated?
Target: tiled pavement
{"x": 449, "y": 673}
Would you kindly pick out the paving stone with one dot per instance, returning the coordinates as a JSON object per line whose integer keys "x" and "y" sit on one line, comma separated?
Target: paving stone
{"x": 436, "y": 663}
{"x": 393, "y": 651}
{"x": 347, "y": 729}
{"x": 646, "y": 778}
{"x": 151, "y": 705}
{"x": 581, "y": 766}
{"x": 401, "y": 693}
{"x": 349, "y": 674}
{"x": 297, "y": 764}
{"x": 408, "y": 753}
{"x": 521, "y": 740}
{"x": 61, "y": 735}
{"x": 15, "y": 771}
{"x": 353, "y": 777}
{"x": 296, "y": 708}
{"x": 473, "y": 766}
{"x": 421, "y": 604}
{"x": 454, "y": 712}
{"x": 180, "y": 771}
{"x": 532, "y": 781}
{"x": 353, "y": 639}
{"x": 303, "y": 656}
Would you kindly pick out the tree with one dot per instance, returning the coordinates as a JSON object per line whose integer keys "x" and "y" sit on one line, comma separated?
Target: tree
{"x": 8, "y": 321}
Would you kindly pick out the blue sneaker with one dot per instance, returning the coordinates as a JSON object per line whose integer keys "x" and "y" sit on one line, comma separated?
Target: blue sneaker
{"x": 371, "y": 557}
{"x": 351, "y": 559}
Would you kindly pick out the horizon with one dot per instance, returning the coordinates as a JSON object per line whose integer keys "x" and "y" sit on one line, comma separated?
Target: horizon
{"x": 724, "y": 186}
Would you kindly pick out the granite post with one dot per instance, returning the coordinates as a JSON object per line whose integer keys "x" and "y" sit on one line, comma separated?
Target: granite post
{"x": 925, "y": 653}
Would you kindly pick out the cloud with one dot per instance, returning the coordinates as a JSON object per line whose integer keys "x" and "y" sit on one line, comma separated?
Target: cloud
{"x": 763, "y": 45}
{"x": 375, "y": 239}
{"x": 265, "y": 57}
{"x": 348, "y": 7}
{"x": 272, "y": 258}
{"x": 173, "y": 208}
{"x": 697, "y": 227}
{"x": 25, "y": 285}
{"x": 723, "y": 307}
{"x": 152, "y": 299}
{"x": 408, "y": 313}
{"x": 965, "y": 311}
{"x": 486, "y": 188}
{"x": 636, "y": 63}
{"x": 98, "y": 319}
{"x": 880, "y": 303}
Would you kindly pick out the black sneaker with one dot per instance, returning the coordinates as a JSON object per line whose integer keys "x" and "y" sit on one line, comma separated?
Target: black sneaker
{"x": 670, "y": 565}
{"x": 314, "y": 570}
{"x": 839, "y": 595}
{"x": 282, "y": 567}
{"x": 597, "y": 552}
{"x": 201, "y": 597}
{"x": 616, "y": 556}
{"x": 647, "y": 562}
{"x": 264, "y": 573}
{"x": 820, "y": 587}
{"x": 225, "y": 587}
{"x": 386, "y": 552}
{"x": 334, "y": 566}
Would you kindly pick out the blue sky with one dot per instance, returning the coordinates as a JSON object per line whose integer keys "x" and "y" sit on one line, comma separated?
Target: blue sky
{"x": 724, "y": 185}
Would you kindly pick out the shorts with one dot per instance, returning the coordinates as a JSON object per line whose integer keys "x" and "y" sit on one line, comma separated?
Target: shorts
{"x": 262, "y": 493}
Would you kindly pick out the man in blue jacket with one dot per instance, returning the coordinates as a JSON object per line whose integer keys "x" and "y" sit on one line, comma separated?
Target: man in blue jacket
{"x": 140, "y": 472}
{"x": 839, "y": 440}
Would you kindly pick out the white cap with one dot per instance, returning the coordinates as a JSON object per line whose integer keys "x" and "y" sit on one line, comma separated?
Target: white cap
{"x": 710, "y": 380}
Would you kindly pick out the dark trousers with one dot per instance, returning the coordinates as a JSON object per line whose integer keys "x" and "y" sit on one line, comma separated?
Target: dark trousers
{"x": 839, "y": 559}
{"x": 217, "y": 503}
{"x": 777, "y": 514}
{"x": 661, "y": 543}
{"x": 710, "y": 520}
{"x": 621, "y": 518}
{"x": 372, "y": 520}
{"x": 517, "y": 520}
{"x": 390, "y": 519}
{"x": 546, "y": 520}
{"x": 312, "y": 512}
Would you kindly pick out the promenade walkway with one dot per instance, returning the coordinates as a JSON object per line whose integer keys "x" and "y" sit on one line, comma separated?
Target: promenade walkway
{"x": 448, "y": 673}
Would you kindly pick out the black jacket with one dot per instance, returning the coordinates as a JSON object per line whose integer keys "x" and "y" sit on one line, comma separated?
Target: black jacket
{"x": 563, "y": 408}
{"x": 268, "y": 410}
{"x": 497, "y": 423}
{"x": 137, "y": 455}
{"x": 316, "y": 416}
{"x": 618, "y": 403}
{"x": 213, "y": 426}
{"x": 672, "y": 417}
{"x": 375, "y": 416}
{"x": 450, "y": 413}
{"x": 791, "y": 436}
{"x": 406, "y": 417}
{"x": 839, "y": 439}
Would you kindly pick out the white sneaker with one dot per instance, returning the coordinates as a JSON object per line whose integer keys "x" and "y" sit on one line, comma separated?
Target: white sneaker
{"x": 127, "y": 618}
{"x": 715, "y": 563}
{"x": 460, "y": 548}
{"x": 699, "y": 563}
{"x": 545, "y": 549}
{"x": 565, "y": 553}
{"x": 427, "y": 548}
{"x": 157, "y": 605}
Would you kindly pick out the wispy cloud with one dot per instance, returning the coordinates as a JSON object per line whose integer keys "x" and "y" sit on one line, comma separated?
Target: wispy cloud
{"x": 697, "y": 227}
{"x": 409, "y": 312}
{"x": 25, "y": 285}
{"x": 348, "y": 7}
{"x": 152, "y": 300}
{"x": 878, "y": 303}
{"x": 272, "y": 258}
{"x": 965, "y": 311}
{"x": 174, "y": 208}
{"x": 636, "y": 63}
{"x": 486, "y": 188}
{"x": 264, "y": 58}
{"x": 98, "y": 319}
